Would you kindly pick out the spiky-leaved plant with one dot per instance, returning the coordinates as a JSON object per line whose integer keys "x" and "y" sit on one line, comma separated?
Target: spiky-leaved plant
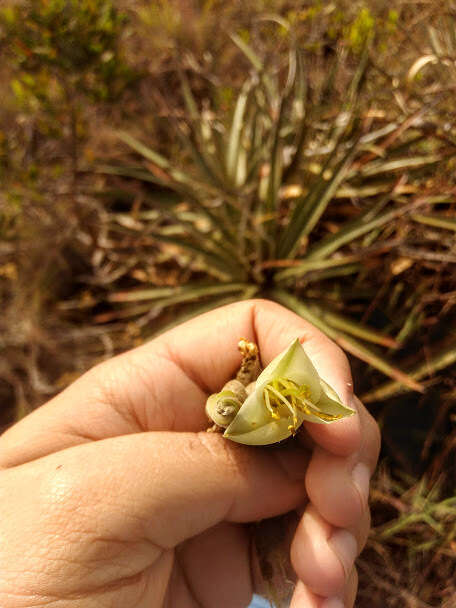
{"x": 251, "y": 189}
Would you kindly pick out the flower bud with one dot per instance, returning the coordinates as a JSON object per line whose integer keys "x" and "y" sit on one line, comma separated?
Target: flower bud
{"x": 222, "y": 407}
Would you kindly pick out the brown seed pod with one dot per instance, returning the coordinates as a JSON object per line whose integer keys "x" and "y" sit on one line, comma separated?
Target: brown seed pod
{"x": 250, "y": 365}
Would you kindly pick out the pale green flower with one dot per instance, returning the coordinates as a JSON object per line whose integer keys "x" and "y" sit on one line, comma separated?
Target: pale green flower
{"x": 287, "y": 392}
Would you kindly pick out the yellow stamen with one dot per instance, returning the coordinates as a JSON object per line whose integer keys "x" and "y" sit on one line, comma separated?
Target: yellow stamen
{"x": 274, "y": 414}
{"x": 285, "y": 401}
{"x": 282, "y": 391}
{"x": 309, "y": 408}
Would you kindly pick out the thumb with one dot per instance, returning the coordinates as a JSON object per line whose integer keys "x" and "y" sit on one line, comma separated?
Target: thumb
{"x": 168, "y": 487}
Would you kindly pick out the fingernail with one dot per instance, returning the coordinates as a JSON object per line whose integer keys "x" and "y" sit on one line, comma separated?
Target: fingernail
{"x": 345, "y": 546}
{"x": 333, "y": 602}
{"x": 361, "y": 479}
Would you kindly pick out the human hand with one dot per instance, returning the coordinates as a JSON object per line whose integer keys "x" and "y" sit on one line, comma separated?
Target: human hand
{"x": 112, "y": 494}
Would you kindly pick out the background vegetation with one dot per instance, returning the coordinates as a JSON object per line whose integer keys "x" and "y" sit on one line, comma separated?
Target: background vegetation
{"x": 158, "y": 159}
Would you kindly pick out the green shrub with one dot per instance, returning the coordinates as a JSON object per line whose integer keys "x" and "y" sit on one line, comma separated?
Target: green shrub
{"x": 65, "y": 47}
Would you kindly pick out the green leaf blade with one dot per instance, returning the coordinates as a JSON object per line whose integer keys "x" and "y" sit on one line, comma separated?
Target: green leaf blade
{"x": 346, "y": 342}
{"x": 309, "y": 210}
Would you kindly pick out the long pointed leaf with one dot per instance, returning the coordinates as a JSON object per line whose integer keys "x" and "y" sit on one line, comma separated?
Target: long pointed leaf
{"x": 331, "y": 273}
{"x": 222, "y": 247}
{"x": 235, "y": 131}
{"x": 216, "y": 221}
{"x": 346, "y": 342}
{"x": 300, "y": 104}
{"x": 275, "y": 164}
{"x": 187, "y": 94}
{"x": 257, "y": 64}
{"x": 160, "y": 161}
{"x": 438, "y": 221}
{"x": 195, "y": 293}
{"x": 200, "y": 309}
{"x": 276, "y": 157}
{"x": 377, "y": 167}
{"x": 226, "y": 266}
{"x": 308, "y": 211}
{"x": 136, "y": 295}
{"x": 312, "y": 265}
{"x": 129, "y": 312}
{"x": 429, "y": 367}
{"x": 367, "y": 222}
{"x": 200, "y": 140}
{"x": 144, "y": 150}
{"x": 353, "y": 328}
{"x": 181, "y": 178}
{"x": 227, "y": 247}
{"x": 174, "y": 295}
{"x": 411, "y": 324}
{"x": 200, "y": 157}
{"x": 133, "y": 172}
{"x": 248, "y": 52}
{"x": 350, "y": 232}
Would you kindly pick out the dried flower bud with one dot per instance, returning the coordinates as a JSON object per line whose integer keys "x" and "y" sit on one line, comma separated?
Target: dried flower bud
{"x": 222, "y": 407}
{"x": 250, "y": 366}
{"x": 237, "y": 388}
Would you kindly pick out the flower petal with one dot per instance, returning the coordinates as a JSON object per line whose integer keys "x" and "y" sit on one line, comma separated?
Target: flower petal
{"x": 330, "y": 404}
{"x": 253, "y": 424}
{"x": 272, "y": 432}
{"x": 292, "y": 364}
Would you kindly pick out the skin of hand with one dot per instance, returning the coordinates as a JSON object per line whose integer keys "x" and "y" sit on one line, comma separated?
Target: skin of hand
{"x": 112, "y": 494}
